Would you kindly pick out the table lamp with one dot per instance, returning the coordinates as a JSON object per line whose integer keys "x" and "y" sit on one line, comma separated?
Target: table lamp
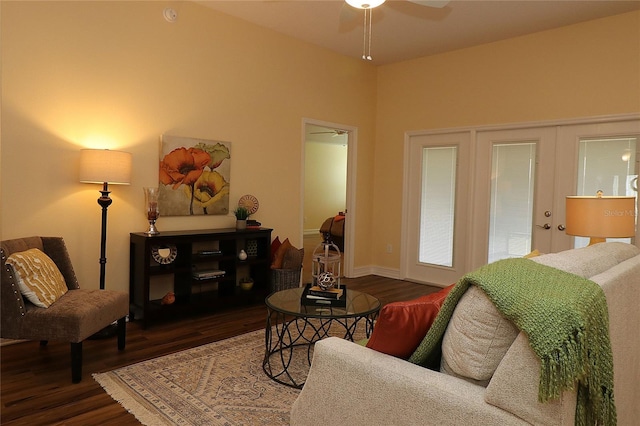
{"x": 601, "y": 217}
{"x": 104, "y": 166}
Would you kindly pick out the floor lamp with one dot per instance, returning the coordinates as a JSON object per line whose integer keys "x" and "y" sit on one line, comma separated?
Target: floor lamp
{"x": 601, "y": 217}
{"x": 104, "y": 166}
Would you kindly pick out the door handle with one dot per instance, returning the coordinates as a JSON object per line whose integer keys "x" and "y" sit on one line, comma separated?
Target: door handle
{"x": 561, "y": 227}
{"x": 545, "y": 226}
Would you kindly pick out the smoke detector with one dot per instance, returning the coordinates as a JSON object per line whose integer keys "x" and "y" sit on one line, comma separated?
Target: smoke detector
{"x": 170, "y": 15}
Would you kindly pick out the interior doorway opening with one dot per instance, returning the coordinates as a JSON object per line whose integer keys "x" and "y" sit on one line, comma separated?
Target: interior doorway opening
{"x": 326, "y": 200}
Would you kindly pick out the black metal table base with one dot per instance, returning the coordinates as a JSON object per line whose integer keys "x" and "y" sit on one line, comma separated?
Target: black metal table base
{"x": 287, "y": 339}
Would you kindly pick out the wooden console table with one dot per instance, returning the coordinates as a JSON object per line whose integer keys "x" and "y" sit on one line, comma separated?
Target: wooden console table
{"x": 200, "y": 267}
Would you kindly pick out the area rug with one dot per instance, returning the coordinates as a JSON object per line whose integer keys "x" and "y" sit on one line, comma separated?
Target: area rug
{"x": 221, "y": 383}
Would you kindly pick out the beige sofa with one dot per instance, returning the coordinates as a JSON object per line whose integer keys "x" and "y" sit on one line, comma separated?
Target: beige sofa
{"x": 349, "y": 384}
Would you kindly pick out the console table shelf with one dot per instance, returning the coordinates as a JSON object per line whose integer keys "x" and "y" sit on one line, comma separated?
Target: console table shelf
{"x": 200, "y": 267}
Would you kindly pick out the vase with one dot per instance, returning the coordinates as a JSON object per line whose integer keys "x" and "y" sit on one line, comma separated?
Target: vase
{"x": 242, "y": 255}
{"x": 151, "y": 206}
{"x": 241, "y": 224}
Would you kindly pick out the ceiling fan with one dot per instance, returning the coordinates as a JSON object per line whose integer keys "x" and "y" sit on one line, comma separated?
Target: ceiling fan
{"x": 334, "y": 132}
{"x": 368, "y": 5}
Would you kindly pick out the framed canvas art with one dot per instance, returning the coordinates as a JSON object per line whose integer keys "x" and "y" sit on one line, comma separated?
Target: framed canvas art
{"x": 194, "y": 176}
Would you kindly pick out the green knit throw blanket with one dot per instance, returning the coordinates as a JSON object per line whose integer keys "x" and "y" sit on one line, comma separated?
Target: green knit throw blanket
{"x": 566, "y": 319}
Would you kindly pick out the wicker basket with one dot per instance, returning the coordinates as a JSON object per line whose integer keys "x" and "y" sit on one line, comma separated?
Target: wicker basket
{"x": 282, "y": 279}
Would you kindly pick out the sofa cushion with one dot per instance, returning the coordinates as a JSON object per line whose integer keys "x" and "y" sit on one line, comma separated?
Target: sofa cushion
{"x": 589, "y": 261}
{"x": 38, "y": 278}
{"x": 401, "y": 326}
{"x": 476, "y": 338}
{"x": 76, "y": 315}
{"x": 514, "y": 388}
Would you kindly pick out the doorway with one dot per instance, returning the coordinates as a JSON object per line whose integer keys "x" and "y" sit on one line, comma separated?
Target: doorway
{"x": 327, "y": 197}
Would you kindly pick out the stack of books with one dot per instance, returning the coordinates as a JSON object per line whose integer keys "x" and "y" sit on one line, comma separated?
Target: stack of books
{"x": 210, "y": 253}
{"x": 253, "y": 224}
{"x": 315, "y": 295}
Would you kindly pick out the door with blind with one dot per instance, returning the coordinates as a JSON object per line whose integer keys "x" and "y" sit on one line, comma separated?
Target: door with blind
{"x": 608, "y": 160}
{"x": 436, "y": 199}
{"x": 514, "y": 194}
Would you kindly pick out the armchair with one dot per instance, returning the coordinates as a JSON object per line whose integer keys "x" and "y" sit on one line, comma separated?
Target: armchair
{"x": 75, "y": 316}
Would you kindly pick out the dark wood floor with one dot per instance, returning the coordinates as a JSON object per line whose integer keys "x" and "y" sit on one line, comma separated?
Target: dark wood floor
{"x": 35, "y": 384}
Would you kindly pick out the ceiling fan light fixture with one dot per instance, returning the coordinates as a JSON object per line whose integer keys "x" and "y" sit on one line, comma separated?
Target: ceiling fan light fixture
{"x": 364, "y": 4}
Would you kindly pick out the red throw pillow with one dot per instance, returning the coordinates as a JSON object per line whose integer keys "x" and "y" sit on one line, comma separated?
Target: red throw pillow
{"x": 278, "y": 257}
{"x": 275, "y": 245}
{"x": 401, "y": 326}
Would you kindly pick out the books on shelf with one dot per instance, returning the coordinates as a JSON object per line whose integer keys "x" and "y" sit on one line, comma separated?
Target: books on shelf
{"x": 208, "y": 274}
{"x": 210, "y": 253}
{"x": 314, "y": 296}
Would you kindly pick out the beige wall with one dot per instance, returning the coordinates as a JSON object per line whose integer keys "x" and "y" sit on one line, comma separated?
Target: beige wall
{"x": 325, "y": 183}
{"x": 584, "y": 70}
{"x": 117, "y": 75}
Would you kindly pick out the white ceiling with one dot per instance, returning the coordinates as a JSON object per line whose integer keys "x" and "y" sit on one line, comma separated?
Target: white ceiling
{"x": 403, "y": 30}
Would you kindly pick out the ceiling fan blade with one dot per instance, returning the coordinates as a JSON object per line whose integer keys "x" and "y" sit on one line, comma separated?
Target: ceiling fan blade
{"x": 334, "y": 133}
{"x": 431, "y": 3}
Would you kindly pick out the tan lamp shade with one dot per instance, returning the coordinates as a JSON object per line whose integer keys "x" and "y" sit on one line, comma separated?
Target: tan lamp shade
{"x": 104, "y": 165}
{"x": 601, "y": 217}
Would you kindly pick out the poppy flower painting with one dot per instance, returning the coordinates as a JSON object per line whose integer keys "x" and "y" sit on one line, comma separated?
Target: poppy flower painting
{"x": 194, "y": 177}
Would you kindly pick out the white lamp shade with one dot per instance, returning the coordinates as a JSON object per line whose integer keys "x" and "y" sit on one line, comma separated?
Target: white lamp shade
{"x": 601, "y": 217}
{"x": 104, "y": 165}
{"x": 364, "y": 4}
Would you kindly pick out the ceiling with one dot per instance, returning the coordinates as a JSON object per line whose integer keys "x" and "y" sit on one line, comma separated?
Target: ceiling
{"x": 403, "y": 30}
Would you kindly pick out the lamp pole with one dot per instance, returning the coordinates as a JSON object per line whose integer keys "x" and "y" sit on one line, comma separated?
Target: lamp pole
{"x": 104, "y": 201}
{"x": 104, "y": 166}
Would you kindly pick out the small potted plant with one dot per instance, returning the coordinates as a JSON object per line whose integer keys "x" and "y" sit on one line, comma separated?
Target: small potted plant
{"x": 242, "y": 214}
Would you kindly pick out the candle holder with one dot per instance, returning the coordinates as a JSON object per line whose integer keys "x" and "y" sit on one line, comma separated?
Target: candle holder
{"x": 326, "y": 264}
{"x": 151, "y": 205}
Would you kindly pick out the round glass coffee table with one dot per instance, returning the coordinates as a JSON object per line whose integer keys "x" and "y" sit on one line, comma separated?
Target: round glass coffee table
{"x": 292, "y": 329}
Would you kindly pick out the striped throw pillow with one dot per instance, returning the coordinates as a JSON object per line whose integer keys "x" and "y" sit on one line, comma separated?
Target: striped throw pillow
{"x": 39, "y": 279}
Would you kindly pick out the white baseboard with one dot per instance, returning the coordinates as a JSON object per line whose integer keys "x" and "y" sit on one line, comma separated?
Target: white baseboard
{"x": 388, "y": 273}
{"x": 363, "y": 271}
{"x": 426, "y": 283}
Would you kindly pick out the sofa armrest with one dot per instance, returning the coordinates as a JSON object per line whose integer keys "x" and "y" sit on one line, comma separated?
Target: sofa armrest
{"x": 354, "y": 385}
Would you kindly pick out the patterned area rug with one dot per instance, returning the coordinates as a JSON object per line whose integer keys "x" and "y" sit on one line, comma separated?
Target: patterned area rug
{"x": 221, "y": 383}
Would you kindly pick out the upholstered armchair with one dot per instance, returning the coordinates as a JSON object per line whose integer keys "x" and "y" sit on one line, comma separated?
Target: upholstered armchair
{"x": 73, "y": 317}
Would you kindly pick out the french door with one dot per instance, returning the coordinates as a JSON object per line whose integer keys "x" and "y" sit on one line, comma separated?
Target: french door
{"x": 510, "y": 199}
{"x": 515, "y": 194}
{"x": 436, "y": 198}
{"x": 608, "y": 160}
